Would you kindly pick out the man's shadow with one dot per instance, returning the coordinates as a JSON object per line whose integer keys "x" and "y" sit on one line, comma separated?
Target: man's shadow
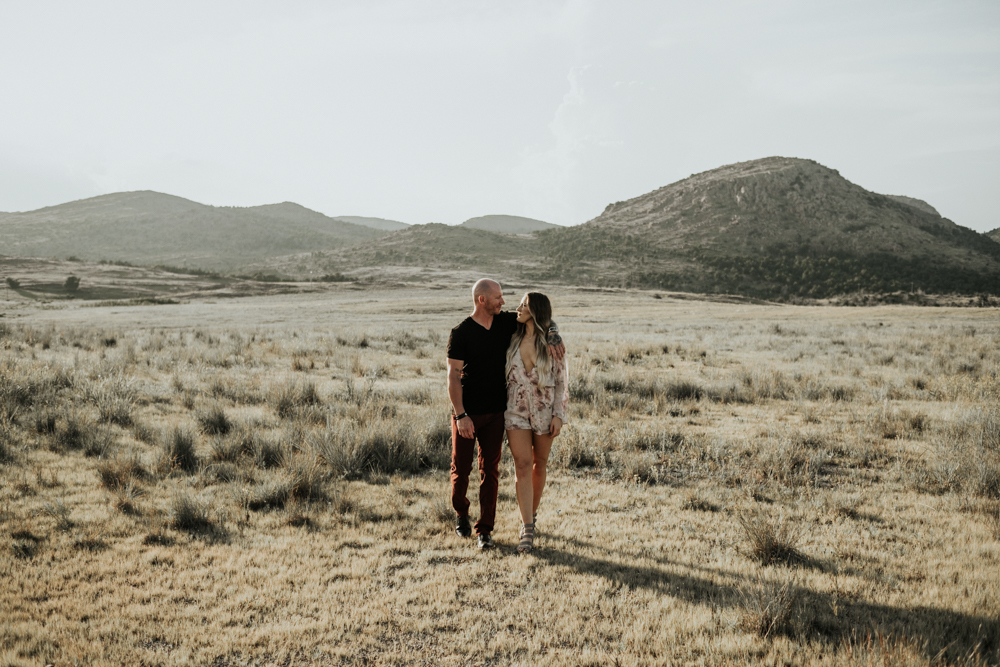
{"x": 942, "y": 633}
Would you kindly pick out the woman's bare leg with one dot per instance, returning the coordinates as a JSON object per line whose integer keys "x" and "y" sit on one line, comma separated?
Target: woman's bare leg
{"x": 521, "y": 449}
{"x": 542, "y": 445}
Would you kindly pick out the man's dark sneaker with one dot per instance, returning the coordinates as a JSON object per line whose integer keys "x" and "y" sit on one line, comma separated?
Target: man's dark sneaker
{"x": 462, "y": 527}
{"x": 486, "y": 541}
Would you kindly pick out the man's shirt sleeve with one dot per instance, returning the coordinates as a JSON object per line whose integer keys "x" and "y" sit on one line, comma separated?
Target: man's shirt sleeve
{"x": 455, "y": 348}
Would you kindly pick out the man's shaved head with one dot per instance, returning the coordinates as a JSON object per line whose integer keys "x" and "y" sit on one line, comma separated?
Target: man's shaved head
{"x": 488, "y": 297}
{"x": 484, "y": 287}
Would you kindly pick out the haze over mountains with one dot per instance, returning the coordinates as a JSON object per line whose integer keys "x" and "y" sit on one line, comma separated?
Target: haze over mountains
{"x": 374, "y": 223}
{"x": 775, "y": 227}
{"x": 508, "y": 224}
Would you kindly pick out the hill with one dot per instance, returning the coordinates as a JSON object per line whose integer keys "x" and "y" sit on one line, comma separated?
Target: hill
{"x": 152, "y": 228}
{"x": 772, "y": 227}
{"x": 508, "y": 224}
{"x": 374, "y": 223}
{"x": 418, "y": 247}
{"x": 918, "y": 204}
{"x": 995, "y": 234}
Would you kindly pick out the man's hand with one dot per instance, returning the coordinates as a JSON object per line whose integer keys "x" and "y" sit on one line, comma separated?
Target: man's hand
{"x": 555, "y": 427}
{"x": 466, "y": 428}
{"x": 556, "y": 348}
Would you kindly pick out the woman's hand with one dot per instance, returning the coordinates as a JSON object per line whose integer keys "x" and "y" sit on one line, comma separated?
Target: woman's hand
{"x": 555, "y": 427}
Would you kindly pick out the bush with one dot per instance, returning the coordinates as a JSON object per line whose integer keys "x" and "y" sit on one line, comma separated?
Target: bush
{"x": 769, "y": 541}
{"x": 575, "y": 452}
{"x": 6, "y": 445}
{"x": 58, "y": 511}
{"x": 968, "y": 456}
{"x": 114, "y": 400}
{"x": 267, "y": 452}
{"x": 352, "y": 450}
{"x": 767, "y": 606}
{"x": 73, "y": 434}
{"x": 72, "y": 284}
{"x": 99, "y": 442}
{"x": 13, "y": 283}
{"x": 126, "y": 498}
{"x": 118, "y": 473}
{"x": 180, "y": 450}
{"x": 214, "y": 421}
{"x": 302, "y": 480}
{"x": 189, "y": 513}
{"x": 289, "y": 398}
{"x": 44, "y": 421}
{"x": 308, "y": 478}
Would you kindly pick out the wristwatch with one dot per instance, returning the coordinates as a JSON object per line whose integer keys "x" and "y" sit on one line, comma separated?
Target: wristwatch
{"x": 461, "y": 416}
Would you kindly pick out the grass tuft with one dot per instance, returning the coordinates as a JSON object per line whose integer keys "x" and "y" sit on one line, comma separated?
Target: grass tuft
{"x": 6, "y": 445}
{"x": 190, "y": 514}
{"x": 214, "y": 421}
{"x": 58, "y": 510}
{"x": 770, "y": 541}
{"x": 180, "y": 450}
{"x": 767, "y": 606}
{"x": 118, "y": 473}
{"x": 696, "y": 502}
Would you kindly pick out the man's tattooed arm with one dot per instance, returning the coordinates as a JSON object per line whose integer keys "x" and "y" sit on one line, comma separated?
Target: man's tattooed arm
{"x": 556, "y": 347}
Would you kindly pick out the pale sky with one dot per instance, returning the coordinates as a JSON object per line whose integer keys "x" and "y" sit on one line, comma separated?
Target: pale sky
{"x": 442, "y": 110}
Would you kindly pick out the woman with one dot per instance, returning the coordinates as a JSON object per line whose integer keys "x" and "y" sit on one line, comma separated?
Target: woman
{"x": 536, "y": 407}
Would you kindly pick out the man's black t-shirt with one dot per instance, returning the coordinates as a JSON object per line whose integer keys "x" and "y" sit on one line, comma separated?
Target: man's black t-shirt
{"x": 484, "y": 351}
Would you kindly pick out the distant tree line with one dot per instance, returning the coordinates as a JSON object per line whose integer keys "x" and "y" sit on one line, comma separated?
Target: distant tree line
{"x": 775, "y": 276}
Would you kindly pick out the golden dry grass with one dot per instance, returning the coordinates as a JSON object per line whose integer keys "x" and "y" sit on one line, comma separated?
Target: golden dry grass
{"x": 264, "y": 481}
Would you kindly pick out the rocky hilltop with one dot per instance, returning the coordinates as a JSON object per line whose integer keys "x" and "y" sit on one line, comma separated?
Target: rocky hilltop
{"x": 771, "y": 227}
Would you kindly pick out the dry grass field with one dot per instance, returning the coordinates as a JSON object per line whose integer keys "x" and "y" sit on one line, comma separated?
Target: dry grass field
{"x": 263, "y": 481}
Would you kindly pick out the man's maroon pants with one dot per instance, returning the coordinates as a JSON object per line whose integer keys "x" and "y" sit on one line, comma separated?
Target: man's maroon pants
{"x": 489, "y": 433}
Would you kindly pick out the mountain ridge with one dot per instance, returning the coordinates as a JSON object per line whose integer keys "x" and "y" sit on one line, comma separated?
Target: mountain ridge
{"x": 776, "y": 227}
{"x": 156, "y": 228}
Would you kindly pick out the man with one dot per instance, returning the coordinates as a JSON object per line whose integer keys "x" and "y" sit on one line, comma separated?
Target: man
{"x": 477, "y": 387}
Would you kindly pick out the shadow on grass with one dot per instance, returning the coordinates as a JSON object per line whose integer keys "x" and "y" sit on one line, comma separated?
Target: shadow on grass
{"x": 951, "y": 635}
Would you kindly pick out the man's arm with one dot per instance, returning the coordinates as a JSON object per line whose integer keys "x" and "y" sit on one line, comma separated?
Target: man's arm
{"x": 556, "y": 347}
{"x": 465, "y": 426}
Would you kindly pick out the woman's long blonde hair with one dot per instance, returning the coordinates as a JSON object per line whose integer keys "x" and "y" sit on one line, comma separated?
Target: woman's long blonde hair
{"x": 541, "y": 313}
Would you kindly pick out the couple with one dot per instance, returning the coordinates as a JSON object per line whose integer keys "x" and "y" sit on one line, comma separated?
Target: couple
{"x": 506, "y": 371}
